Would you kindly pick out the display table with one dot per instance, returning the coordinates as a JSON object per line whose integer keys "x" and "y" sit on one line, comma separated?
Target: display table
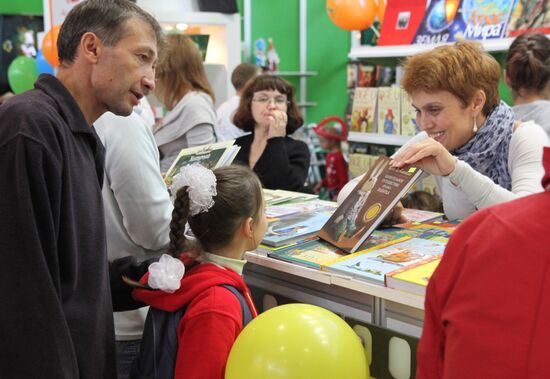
{"x": 388, "y": 321}
{"x": 347, "y": 296}
{"x": 350, "y": 297}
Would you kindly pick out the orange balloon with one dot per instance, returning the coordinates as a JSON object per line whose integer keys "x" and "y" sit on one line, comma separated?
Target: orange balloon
{"x": 49, "y": 46}
{"x": 352, "y": 14}
{"x": 381, "y": 10}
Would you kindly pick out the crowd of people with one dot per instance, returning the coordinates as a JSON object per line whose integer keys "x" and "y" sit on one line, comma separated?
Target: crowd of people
{"x": 86, "y": 215}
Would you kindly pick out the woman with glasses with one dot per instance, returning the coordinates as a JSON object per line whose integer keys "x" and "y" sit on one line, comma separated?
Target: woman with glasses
{"x": 269, "y": 111}
{"x": 182, "y": 86}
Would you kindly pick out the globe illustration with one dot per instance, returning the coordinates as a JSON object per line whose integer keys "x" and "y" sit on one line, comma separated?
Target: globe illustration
{"x": 437, "y": 20}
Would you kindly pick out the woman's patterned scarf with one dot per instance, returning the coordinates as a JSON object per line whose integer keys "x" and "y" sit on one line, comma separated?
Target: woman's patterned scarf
{"x": 487, "y": 152}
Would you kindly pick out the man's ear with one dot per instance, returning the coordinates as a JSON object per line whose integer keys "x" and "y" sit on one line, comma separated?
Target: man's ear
{"x": 247, "y": 227}
{"x": 90, "y": 47}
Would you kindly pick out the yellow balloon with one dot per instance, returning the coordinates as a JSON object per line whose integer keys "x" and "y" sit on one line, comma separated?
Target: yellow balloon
{"x": 297, "y": 341}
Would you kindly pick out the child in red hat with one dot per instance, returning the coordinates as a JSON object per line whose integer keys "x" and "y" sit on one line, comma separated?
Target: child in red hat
{"x": 331, "y": 131}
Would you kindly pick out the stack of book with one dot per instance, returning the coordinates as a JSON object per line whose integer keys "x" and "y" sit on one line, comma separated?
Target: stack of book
{"x": 210, "y": 156}
{"x": 348, "y": 239}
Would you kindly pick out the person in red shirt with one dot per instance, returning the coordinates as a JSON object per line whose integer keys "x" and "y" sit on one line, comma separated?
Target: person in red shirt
{"x": 331, "y": 131}
{"x": 225, "y": 211}
{"x": 487, "y": 311}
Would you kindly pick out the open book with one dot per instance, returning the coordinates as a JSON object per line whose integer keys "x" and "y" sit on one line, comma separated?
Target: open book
{"x": 368, "y": 204}
{"x": 210, "y": 156}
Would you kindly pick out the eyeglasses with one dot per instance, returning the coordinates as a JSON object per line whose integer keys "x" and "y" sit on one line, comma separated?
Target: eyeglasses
{"x": 279, "y": 100}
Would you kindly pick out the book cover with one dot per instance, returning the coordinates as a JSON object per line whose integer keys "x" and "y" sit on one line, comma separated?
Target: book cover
{"x": 409, "y": 126}
{"x": 366, "y": 75}
{"x": 352, "y": 70}
{"x": 529, "y": 16}
{"x": 386, "y": 76}
{"x": 285, "y": 230}
{"x": 373, "y": 264}
{"x": 272, "y": 197}
{"x": 363, "y": 109}
{"x": 281, "y": 210}
{"x": 211, "y": 156}
{"x": 449, "y": 226}
{"x": 401, "y": 20}
{"x": 368, "y": 204}
{"x": 385, "y": 237}
{"x": 442, "y": 22}
{"x": 310, "y": 254}
{"x": 486, "y": 19}
{"x": 389, "y": 110}
{"x": 413, "y": 278}
{"x": 359, "y": 164}
{"x": 419, "y": 215}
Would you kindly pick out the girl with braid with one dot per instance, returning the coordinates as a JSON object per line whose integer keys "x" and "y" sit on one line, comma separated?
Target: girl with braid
{"x": 225, "y": 211}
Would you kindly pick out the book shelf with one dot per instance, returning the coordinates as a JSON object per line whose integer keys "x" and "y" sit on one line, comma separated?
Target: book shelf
{"x": 295, "y": 73}
{"x": 400, "y": 51}
{"x": 378, "y": 139}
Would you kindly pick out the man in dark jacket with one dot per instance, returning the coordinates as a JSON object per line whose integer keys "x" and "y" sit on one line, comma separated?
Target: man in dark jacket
{"x": 56, "y": 318}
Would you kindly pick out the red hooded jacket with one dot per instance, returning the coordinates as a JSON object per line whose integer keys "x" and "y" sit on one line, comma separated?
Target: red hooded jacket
{"x": 488, "y": 303}
{"x": 211, "y": 322}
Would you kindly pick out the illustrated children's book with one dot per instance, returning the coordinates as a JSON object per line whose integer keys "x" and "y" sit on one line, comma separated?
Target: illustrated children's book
{"x": 366, "y": 75}
{"x": 413, "y": 278}
{"x": 272, "y": 197}
{"x": 311, "y": 253}
{"x": 389, "y": 110}
{"x": 282, "y": 210}
{"x": 386, "y": 76}
{"x": 420, "y": 215}
{"x": 432, "y": 230}
{"x": 211, "y": 156}
{"x": 409, "y": 126}
{"x": 289, "y": 229}
{"x": 363, "y": 110}
{"x": 368, "y": 204}
{"x": 373, "y": 264}
{"x": 358, "y": 164}
{"x": 529, "y": 16}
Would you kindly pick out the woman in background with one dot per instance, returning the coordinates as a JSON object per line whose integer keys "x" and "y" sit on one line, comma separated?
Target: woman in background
{"x": 527, "y": 72}
{"x": 268, "y": 109}
{"x": 479, "y": 155}
{"x": 182, "y": 86}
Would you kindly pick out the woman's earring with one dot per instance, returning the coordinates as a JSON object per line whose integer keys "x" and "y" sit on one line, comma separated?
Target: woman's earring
{"x": 475, "y": 125}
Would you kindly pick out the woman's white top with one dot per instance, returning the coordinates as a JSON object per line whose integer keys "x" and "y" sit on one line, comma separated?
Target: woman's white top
{"x": 465, "y": 190}
{"x": 190, "y": 123}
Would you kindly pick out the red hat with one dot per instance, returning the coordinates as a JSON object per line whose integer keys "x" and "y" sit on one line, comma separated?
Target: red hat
{"x": 328, "y": 131}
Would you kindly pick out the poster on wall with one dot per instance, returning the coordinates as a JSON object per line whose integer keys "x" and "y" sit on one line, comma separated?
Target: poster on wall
{"x": 486, "y": 19}
{"x": 452, "y": 20}
{"x": 442, "y": 22}
{"x": 529, "y": 16}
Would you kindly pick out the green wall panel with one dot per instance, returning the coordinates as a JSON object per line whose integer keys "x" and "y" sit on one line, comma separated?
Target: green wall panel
{"x": 30, "y": 7}
{"x": 327, "y": 50}
{"x": 278, "y": 20}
